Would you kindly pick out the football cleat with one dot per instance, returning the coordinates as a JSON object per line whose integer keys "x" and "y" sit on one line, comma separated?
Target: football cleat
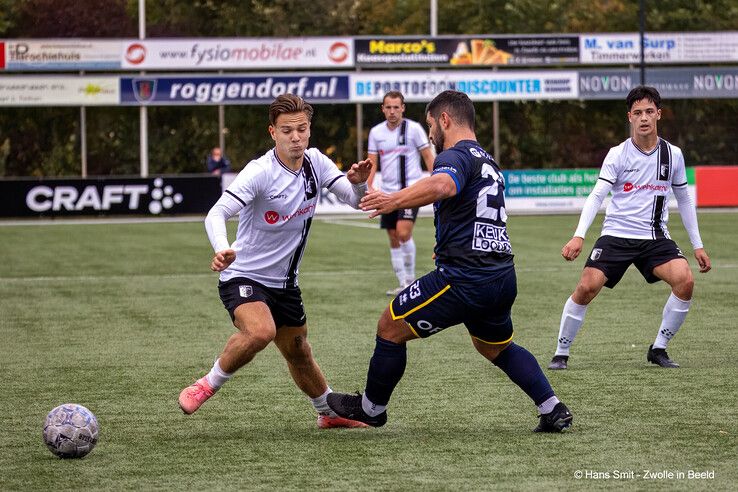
{"x": 660, "y": 357}
{"x": 349, "y": 407}
{"x": 328, "y": 422}
{"x": 192, "y": 397}
{"x": 560, "y": 419}
{"x": 559, "y": 362}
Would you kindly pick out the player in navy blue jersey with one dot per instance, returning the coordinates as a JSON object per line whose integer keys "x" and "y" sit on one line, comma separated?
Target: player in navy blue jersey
{"x": 474, "y": 281}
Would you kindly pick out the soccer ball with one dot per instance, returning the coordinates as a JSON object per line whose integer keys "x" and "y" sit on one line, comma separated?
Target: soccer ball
{"x": 70, "y": 431}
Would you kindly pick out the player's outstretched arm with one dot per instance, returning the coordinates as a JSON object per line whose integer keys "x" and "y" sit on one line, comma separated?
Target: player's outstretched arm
{"x": 427, "y": 190}
{"x": 359, "y": 172}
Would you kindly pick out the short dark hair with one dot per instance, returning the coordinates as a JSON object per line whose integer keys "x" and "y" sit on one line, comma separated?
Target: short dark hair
{"x": 289, "y": 103}
{"x": 643, "y": 92}
{"x": 456, "y": 104}
{"x": 394, "y": 95}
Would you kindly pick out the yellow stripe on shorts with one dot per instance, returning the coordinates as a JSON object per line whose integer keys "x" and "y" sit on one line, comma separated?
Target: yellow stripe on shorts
{"x": 394, "y": 318}
{"x": 493, "y": 343}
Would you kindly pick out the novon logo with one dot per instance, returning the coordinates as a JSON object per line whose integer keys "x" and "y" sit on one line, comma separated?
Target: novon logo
{"x": 57, "y": 198}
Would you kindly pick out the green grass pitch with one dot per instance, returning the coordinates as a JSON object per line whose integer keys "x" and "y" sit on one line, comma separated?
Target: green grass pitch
{"x": 120, "y": 317}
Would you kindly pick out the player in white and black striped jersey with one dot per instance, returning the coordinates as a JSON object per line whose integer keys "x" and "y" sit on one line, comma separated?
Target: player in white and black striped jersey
{"x": 641, "y": 172}
{"x": 275, "y": 198}
{"x": 397, "y": 146}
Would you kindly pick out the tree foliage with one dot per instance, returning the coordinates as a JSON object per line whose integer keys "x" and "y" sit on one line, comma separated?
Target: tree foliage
{"x": 46, "y": 141}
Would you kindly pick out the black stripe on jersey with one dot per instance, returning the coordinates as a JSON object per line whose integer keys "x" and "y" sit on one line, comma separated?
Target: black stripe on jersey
{"x": 334, "y": 180}
{"x": 234, "y": 196}
{"x": 679, "y": 185}
{"x": 664, "y": 170}
{"x": 658, "y": 211}
{"x": 402, "y": 137}
{"x": 403, "y": 172}
{"x": 607, "y": 181}
{"x": 297, "y": 256}
{"x": 311, "y": 185}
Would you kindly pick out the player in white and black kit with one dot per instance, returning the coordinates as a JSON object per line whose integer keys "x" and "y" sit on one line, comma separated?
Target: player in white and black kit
{"x": 396, "y": 147}
{"x": 640, "y": 173}
{"x": 275, "y": 197}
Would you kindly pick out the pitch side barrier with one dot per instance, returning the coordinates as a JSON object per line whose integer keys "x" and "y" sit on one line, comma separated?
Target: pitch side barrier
{"x": 527, "y": 191}
{"x": 548, "y": 191}
{"x": 366, "y": 52}
{"x": 109, "y": 195}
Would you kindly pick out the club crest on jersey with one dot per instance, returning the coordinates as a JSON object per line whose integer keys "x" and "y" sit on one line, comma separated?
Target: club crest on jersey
{"x": 245, "y": 290}
{"x": 596, "y": 253}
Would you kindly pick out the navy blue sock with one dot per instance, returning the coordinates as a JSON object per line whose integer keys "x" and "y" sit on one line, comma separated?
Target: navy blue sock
{"x": 523, "y": 369}
{"x": 385, "y": 370}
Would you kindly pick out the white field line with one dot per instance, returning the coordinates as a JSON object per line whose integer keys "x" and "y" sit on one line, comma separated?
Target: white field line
{"x": 307, "y": 274}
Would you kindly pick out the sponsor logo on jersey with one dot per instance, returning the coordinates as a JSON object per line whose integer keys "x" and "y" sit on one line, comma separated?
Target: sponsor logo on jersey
{"x": 275, "y": 197}
{"x": 491, "y": 238}
{"x": 648, "y": 187}
{"x": 596, "y": 253}
{"x": 475, "y": 152}
{"x": 245, "y": 290}
{"x": 271, "y": 217}
{"x": 634, "y": 170}
{"x": 302, "y": 211}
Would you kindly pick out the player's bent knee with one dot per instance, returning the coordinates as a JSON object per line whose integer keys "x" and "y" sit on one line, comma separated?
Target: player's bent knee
{"x": 489, "y": 351}
{"x": 396, "y": 331}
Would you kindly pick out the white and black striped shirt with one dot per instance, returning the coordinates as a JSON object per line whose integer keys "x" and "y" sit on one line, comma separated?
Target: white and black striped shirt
{"x": 641, "y": 184}
{"x": 275, "y": 206}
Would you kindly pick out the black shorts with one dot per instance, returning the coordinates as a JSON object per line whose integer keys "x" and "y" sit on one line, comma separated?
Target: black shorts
{"x": 432, "y": 304}
{"x": 284, "y": 304}
{"x": 389, "y": 221}
{"x": 613, "y": 255}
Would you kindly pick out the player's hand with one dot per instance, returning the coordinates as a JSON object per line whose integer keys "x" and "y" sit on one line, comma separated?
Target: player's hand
{"x": 378, "y": 202}
{"x": 571, "y": 250}
{"x": 359, "y": 172}
{"x": 222, "y": 260}
{"x": 703, "y": 260}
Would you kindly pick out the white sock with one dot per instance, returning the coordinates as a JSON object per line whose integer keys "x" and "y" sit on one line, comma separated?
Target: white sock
{"x": 408, "y": 257}
{"x": 548, "y": 405}
{"x": 321, "y": 404}
{"x": 675, "y": 310}
{"x": 370, "y": 408}
{"x": 397, "y": 264}
{"x": 571, "y": 321}
{"x": 217, "y": 376}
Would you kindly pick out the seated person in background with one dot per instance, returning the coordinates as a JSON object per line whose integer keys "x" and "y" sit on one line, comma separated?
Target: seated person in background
{"x": 218, "y": 163}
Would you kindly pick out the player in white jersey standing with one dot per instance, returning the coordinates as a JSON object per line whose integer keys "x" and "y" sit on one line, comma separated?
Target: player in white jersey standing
{"x": 275, "y": 197}
{"x": 640, "y": 173}
{"x": 397, "y": 145}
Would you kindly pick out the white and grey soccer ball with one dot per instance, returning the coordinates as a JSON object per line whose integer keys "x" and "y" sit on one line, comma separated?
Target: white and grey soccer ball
{"x": 70, "y": 431}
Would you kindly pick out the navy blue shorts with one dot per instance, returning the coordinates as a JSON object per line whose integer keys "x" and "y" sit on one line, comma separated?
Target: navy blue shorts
{"x": 613, "y": 255}
{"x": 284, "y": 304}
{"x": 389, "y": 221}
{"x": 432, "y": 304}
